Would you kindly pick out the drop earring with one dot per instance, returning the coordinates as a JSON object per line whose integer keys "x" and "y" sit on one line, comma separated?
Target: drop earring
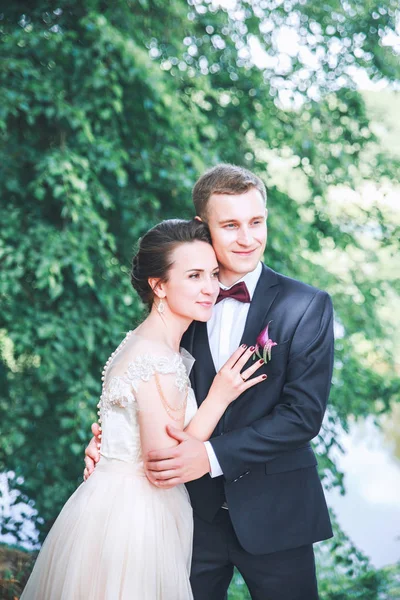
{"x": 161, "y": 306}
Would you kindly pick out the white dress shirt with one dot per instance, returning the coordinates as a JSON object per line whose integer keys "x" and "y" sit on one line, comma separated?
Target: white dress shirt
{"x": 225, "y": 330}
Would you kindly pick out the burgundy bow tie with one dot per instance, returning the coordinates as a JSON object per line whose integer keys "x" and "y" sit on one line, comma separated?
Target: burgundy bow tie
{"x": 238, "y": 292}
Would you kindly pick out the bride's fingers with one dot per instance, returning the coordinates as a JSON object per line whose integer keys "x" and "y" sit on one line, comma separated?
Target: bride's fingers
{"x": 243, "y": 359}
{"x": 235, "y": 357}
{"x": 249, "y": 372}
{"x": 252, "y": 382}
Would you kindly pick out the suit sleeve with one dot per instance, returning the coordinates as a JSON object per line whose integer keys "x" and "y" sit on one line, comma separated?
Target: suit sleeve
{"x": 297, "y": 417}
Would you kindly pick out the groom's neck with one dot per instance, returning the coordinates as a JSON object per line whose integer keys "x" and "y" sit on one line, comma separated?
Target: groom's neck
{"x": 228, "y": 278}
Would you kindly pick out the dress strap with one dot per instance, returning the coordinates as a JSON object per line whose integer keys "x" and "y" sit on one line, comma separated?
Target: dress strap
{"x": 171, "y": 409}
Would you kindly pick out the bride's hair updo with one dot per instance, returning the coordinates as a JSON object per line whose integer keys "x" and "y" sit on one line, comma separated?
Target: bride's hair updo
{"x": 153, "y": 258}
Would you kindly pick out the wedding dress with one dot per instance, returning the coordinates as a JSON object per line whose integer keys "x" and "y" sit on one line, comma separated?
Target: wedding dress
{"x": 119, "y": 537}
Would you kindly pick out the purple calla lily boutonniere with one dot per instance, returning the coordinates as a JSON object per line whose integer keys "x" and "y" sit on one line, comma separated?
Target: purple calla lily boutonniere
{"x": 264, "y": 345}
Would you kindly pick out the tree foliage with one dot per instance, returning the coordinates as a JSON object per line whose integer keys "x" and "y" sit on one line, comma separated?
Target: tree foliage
{"x": 108, "y": 114}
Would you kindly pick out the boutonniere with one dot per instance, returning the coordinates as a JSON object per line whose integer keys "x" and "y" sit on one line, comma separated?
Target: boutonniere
{"x": 264, "y": 345}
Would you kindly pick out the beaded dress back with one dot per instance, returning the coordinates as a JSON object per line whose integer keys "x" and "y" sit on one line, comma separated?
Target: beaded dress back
{"x": 135, "y": 362}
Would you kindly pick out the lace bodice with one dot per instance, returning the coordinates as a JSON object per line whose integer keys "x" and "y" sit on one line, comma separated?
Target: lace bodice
{"x": 124, "y": 393}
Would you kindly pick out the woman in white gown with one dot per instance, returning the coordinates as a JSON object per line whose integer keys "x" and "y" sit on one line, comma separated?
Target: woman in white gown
{"x": 119, "y": 537}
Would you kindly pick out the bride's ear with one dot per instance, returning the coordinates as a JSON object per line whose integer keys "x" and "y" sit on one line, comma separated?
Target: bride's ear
{"x": 197, "y": 218}
{"x": 157, "y": 287}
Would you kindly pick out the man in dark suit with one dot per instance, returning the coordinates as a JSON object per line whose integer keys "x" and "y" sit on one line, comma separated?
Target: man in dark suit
{"x": 257, "y": 498}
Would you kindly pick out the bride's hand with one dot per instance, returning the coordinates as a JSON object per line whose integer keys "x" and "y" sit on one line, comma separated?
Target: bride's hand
{"x": 231, "y": 381}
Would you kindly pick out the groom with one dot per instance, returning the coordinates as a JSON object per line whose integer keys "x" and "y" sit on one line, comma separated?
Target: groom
{"x": 257, "y": 500}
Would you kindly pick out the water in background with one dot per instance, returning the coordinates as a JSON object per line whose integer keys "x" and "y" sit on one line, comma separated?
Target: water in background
{"x": 369, "y": 513}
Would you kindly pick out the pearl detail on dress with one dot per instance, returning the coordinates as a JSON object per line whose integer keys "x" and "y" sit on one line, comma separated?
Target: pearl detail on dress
{"x": 103, "y": 377}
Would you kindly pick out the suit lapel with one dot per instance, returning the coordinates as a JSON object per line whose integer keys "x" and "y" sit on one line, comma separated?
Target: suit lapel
{"x": 204, "y": 369}
{"x": 264, "y": 295}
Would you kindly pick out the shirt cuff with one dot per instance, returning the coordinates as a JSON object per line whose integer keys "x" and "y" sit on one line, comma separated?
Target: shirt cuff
{"x": 215, "y": 467}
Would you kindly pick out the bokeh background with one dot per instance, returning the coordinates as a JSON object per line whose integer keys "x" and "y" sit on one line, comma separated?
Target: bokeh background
{"x": 109, "y": 111}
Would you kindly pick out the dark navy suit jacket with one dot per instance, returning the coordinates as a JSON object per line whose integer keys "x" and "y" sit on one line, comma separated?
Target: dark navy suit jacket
{"x": 262, "y": 442}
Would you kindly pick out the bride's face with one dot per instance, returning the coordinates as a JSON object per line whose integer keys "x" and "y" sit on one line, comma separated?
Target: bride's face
{"x": 192, "y": 287}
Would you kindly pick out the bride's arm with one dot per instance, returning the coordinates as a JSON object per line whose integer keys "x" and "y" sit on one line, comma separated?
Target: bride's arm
{"x": 228, "y": 384}
{"x": 160, "y": 403}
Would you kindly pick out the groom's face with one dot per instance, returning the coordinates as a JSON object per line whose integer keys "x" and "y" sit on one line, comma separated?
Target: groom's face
{"x": 239, "y": 232}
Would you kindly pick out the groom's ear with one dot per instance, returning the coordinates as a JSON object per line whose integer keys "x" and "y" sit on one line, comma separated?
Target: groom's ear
{"x": 197, "y": 218}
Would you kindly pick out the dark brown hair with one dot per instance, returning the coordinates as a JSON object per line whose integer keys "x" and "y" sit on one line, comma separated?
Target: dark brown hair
{"x": 153, "y": 258}
{"x": 224, "y": 179}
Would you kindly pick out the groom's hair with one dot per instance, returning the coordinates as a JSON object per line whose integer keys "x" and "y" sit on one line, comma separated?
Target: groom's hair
{"x": 224, "y": 179}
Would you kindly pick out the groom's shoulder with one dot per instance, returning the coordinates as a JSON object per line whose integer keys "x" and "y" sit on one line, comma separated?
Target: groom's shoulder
{"x": 294, "y": 287}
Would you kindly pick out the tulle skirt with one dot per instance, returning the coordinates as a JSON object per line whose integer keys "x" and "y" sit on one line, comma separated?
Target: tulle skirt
{"x": 117, "y": 538}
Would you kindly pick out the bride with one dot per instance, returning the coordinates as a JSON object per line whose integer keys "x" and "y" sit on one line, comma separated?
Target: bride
{"x": 118, "y": 537}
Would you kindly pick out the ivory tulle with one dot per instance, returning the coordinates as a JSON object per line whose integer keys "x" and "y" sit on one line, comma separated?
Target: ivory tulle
{"x": 117, "y": 538}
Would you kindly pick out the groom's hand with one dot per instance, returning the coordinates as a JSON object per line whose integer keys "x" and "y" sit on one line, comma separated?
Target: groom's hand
{"x": 172, "y": 466}
{"x": 92, "y": 454}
